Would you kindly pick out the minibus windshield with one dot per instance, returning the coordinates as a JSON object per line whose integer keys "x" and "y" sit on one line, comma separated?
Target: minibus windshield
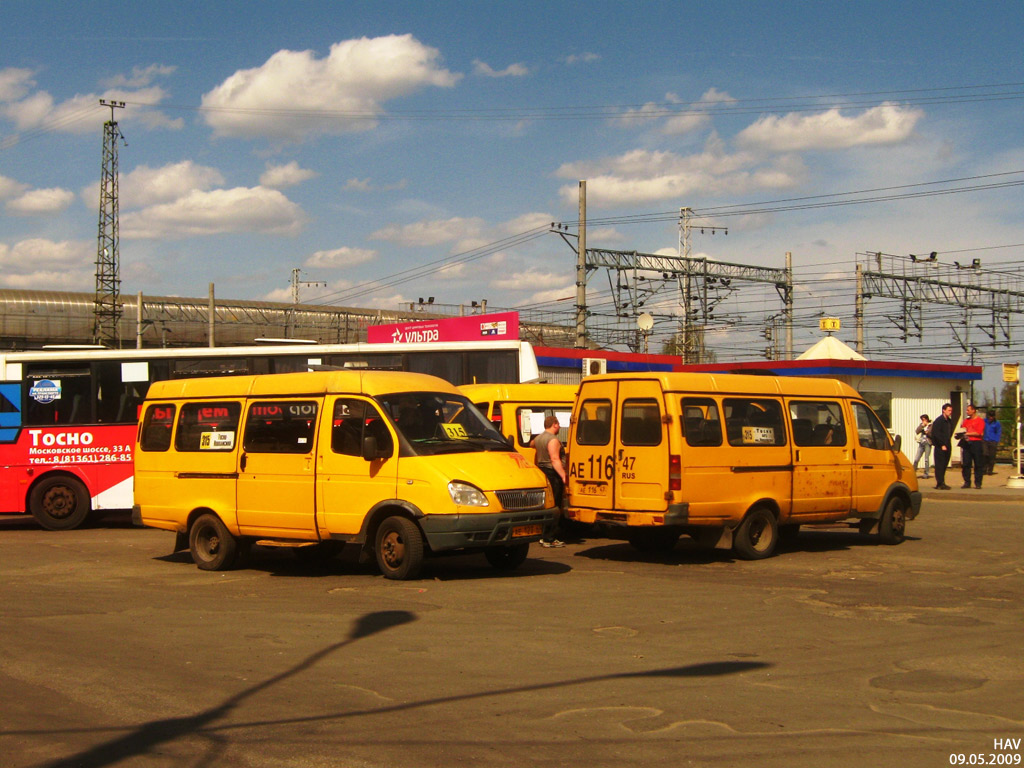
{"x": 439, "y": 422}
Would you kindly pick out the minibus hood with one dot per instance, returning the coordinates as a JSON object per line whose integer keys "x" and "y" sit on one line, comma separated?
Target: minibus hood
{"x": 489, "y": 470}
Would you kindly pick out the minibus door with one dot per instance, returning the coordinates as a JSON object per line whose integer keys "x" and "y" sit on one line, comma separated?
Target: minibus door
{"x": 822, "y": 458}
{"x": 875, "y": 465}
{"x": 275, "y": 491}
{"x": 592, "y": 449}
{"x": 349, "y": 483}
{"x": 641, "y": 450}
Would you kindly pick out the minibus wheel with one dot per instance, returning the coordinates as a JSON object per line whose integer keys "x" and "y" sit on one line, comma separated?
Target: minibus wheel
{"x": 893, "y": 525}
{"x": 507, "y": 558}
{"x": 399, "y": 548}
{"x": 757, "y": 536}
{"x": 212, "y": 546}
{"x": 59, "y": 503}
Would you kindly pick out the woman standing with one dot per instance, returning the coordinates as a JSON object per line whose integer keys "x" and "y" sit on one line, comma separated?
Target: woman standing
{"x": 924, "y": 443}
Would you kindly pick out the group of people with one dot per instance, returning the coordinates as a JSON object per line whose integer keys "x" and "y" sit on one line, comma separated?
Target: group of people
{"x": 977, "y": 437}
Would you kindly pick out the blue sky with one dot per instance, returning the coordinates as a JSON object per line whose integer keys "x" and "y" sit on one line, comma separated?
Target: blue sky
{"x": 361, "y": 141}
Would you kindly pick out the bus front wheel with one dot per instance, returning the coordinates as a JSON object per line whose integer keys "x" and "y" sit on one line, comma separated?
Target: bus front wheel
{"x": 212, "y": 546}
{"x": 399, "y": 548}
{"x": 757, "y": 536}
{"x": 60, "y": 503}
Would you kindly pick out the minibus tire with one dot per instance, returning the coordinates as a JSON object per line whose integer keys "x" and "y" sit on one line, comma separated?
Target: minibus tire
{"x": 507, "y": 558}
{"x": 399, "y": 548}
{"x": 212, "y": 546}
{"x": 757, "y": 536}
{"x": 60, "y": 503}
{"x": 893, "y": 525}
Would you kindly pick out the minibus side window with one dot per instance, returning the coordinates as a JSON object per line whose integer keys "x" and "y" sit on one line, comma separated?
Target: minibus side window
{"x": 594, "y": 425}
{"x": 701, "y": 423}
{"x": 817, "y": 424}
{"x": 641, "y": 422}
{"x": 156, "y": 428}
{"x": 280, "y": 426}
{"x": 537, "y": 414}
{"x": 207, "y": 426}
{"x": 870, "y": 432}
{"x": 351, "y": 420}
{"x": 753, "y": 421}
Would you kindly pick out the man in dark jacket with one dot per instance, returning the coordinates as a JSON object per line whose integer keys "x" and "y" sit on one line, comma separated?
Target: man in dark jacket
{"x": 942, "y": 439}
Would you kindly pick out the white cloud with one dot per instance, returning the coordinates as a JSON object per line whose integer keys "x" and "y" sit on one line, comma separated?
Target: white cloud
{"x": 145, "y": 186}
{"x": 65, "y": 265}
{"x": 885, "y": 124}
{"x": 692, "y": 120}
{"x": 219, "y": 211}
{"x": 581, "y": 58}
{"x": 643, "y": 176}
{"x": 512, "y": 70}
{"x": 9, "y": 187}
{"x": 341, "y": 93}
{"x": 15, "y": 83}
{"x": 41, "y": 201}
{"x": 284, "y": 176}
{"x": 529, "y": 280}
{"x": 367, "y": 185}
{"x": 140, "y": 76}
{"x": 567, "y": 291}
{"x": 83, "y": 113}
{"x": 425, "y": 233}
{"x": 340, "y": 257}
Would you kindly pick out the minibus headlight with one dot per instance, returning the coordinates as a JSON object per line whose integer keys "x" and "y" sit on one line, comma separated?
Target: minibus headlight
{"x": 466, "y": 494}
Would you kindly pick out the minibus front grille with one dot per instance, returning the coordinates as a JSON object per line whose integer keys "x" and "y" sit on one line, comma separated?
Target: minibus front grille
{"x": 524, "y": 498}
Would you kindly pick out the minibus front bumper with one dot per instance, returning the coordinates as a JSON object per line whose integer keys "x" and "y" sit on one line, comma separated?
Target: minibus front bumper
{"x": 446, "y": 532}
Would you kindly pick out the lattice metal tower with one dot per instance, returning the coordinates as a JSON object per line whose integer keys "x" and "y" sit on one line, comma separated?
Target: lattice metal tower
{"x": 108, "y": 273}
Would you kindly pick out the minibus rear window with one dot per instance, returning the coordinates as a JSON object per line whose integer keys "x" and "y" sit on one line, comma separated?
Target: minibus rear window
{"x": 156, "y": 428}
{"x": 594, "y": 423}
{"x": 641, "y": 422}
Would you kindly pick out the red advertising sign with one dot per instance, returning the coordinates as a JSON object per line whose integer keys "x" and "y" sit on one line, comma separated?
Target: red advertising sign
{"x": 499, "y": 326}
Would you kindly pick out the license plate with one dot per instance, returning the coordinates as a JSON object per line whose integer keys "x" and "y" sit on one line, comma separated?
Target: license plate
{"x": 526, "y": 530}
{"x": 592, "y": 489}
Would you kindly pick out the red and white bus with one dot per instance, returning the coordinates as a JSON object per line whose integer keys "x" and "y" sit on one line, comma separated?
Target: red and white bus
{"x": 68, "y": 417}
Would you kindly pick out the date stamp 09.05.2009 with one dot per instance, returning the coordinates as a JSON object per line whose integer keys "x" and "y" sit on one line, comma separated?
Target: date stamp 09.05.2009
{"x": 1004, "y": 752}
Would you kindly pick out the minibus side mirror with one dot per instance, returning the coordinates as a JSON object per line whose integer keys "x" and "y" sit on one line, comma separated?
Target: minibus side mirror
{"x": 897, "y": 443}
{"x": 372, "y": 451}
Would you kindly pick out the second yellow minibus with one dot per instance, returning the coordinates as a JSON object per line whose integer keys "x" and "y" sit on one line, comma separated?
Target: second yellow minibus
{"x": 518, "y": 410}
{"x": 734, "y": 461}
{"x": 401, "y": 464}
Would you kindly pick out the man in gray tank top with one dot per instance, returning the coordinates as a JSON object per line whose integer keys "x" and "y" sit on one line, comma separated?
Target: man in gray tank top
{"x": 549, "y": 459}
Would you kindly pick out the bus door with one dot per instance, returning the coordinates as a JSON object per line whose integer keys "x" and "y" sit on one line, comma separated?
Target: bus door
{"x": 592, "y": 448}
{"x": 275, "y": 492}
{"x": 822, "y": 457}
{"x": 761, "y": 466}
{"x": 641, "y": 449}
{"x": 349, "y": 485}
{"x": 875, "y": 465}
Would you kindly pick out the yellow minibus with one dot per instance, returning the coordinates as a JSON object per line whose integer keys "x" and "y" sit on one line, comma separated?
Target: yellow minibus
{"x": 401, "y": 464}
{"x": 518, "y": 410}
{"x": 734, "y": 461}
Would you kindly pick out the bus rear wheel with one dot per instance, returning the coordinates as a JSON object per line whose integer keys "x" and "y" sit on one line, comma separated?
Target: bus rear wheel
{"x": 757, "y": 536}
{"x": 399, "y": 548}
{"x": 60, "y": 503}
{"x": 212, "y": 546}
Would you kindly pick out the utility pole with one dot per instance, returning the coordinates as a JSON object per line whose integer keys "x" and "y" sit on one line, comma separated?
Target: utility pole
{"x": 107, "y": 315}
{"x": 581, "y": 272}
{"x": 308, "y": 283}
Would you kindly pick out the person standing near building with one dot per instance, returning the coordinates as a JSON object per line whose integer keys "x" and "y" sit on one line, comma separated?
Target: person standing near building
{"x": 973, "y": 427}
{"x": 924, "y": 443}
{"x": 993, "y": 436}
{"x": 942, "y": 438}
{"x": 549, "y": 459}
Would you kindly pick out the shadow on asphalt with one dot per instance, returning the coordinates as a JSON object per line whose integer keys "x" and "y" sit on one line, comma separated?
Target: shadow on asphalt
{"x": 212, "y": 724}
